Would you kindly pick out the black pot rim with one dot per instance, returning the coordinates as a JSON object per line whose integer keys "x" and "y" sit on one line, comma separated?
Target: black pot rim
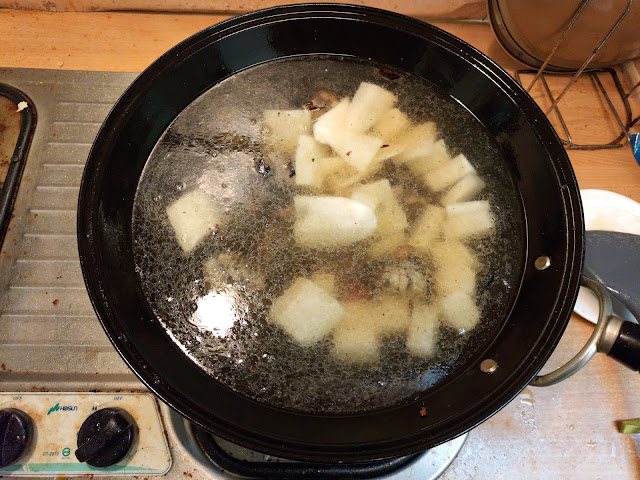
{"x": 254, "y": 425}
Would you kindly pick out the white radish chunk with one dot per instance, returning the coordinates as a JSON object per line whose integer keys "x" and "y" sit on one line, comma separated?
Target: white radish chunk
{"x": 454, "y": 278}
{"x": 373, "y": 194}
{"x": 326, "y": 168}
{"x": 437, "y": 158}
{"x": 387, "y": 245}
{"x": 459, "y": 310}
{"x": 422, "y": 334}
{"x": 283, "y": 127}
{"x": 427, "y": 228}
{"x": 341, "y": 180}
{"x": 391, "y": 123}
{"x": 331, "y": 221}
{"x": 468, "y": 220}
{"x": 442, "y": 177}
{"x": 306, "y": 312}
{"x": 387, "y": 316}
{"x": 464, "y": 208}
{"x": 356, "y": 149}
{"x": 357, "y": 337}
{"x": 392, "y": 219}
{"x": 369, "y": 103}
{"x": 192, "y": 217}
{"x": 379, "y": 196}
{"x": 465, "y": 189}
{"x": 355, "y": 344}
{"x": 410, "y": 147}
{"x": 386, "y": 152}
{"x": 469, "y": 225}
{"x": 418, "y": 142}
{"x": 330, "y": 126}
{"x": 451, "y": 254}
{"x": 391, "y": 314}
{"x": 307, "y": 161}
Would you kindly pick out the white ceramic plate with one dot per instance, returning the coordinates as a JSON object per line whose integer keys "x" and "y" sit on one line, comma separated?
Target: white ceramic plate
{"x": 611, "y": 212}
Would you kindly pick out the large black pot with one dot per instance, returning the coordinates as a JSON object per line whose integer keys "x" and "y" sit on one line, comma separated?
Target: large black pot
{"x": 530, "y": 148}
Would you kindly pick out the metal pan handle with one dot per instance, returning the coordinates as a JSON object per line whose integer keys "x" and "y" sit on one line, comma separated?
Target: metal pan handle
{"x": 612, "y": 336}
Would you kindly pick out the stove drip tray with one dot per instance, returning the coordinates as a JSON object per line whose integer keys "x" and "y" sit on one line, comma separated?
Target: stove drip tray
{"x": 17, "y": 125}
{"x": 248, "y": 464}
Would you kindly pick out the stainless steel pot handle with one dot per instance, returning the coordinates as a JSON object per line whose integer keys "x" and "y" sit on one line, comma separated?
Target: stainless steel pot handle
{"x": 601, "y": 340}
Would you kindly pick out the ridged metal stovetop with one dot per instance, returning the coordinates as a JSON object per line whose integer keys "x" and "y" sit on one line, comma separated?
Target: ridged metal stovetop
{"x": 50, "y": 338}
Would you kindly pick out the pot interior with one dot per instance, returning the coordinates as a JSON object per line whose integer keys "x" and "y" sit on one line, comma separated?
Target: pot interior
{"x": 220, "y": 316}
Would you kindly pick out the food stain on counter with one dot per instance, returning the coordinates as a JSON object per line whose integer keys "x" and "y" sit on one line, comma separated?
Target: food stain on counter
{"x": 527, "y": 404}
{"x": 526, "y": 397}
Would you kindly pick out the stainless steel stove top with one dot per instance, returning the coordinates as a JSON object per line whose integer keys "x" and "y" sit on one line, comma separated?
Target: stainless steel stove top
{"x": 50, "y": 338}
{"x": 49, "y": 335}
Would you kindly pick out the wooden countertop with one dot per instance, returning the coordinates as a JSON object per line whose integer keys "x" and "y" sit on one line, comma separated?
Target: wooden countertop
{"x": 565, "y": 431}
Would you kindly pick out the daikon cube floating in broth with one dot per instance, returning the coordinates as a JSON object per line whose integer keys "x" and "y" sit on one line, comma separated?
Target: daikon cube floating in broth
{"x": 310, "y": 162}
{"x": 332, "y": 221}
{"x": 468, "y": 220}
{"x": 459, "y": 310}
{"x": 306, "y": 312}
{"x": 369, "y": 104}
{"x": 390, "y": 215}
{"x": 428, "y": 227}
{"x": 285, "y": 126}
{"x": 390, "y": 124}
{"x": 443, "y": 176}
{"x": 465, "y": 189}
{"x": 422, "y": 335}
{"x": 417, "y": 142}
{"x": 193, "y": 216}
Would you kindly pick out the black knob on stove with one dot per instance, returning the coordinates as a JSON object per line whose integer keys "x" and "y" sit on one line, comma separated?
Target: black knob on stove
{"x": 105, "y": 437}
{"x": 16, "y": 434}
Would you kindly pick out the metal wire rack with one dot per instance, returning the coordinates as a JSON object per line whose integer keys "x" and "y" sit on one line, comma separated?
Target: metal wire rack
{"x": 624, "y": 122}
{"x": 636, "y": 89}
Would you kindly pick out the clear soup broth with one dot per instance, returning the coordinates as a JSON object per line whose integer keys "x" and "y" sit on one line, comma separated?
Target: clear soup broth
{"x": 215, "y": 301}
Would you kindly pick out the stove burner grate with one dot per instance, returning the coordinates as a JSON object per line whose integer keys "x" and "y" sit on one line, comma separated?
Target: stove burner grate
{"x": 290, "y": 470}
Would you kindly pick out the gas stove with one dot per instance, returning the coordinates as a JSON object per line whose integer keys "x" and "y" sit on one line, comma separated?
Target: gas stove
{"x": 61, "y": 380}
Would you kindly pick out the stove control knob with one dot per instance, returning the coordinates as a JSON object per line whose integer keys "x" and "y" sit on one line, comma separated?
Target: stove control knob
{"x": 106, "y": 437}
{"x": 16, "y": 434}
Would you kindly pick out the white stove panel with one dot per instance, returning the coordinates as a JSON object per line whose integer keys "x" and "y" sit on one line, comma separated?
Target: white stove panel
{"x": 57, "y": 417}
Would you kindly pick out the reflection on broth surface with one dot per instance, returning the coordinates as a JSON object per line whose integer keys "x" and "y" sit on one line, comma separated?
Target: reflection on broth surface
{"x": 336, "y": 281}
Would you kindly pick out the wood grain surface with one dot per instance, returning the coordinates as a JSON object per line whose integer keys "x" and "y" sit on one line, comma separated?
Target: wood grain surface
{"x": 563, "y": 432}
{"x": 417, "y": 8}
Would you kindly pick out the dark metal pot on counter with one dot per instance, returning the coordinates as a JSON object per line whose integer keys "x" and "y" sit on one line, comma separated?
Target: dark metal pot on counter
{"x": 552, "y": 237}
